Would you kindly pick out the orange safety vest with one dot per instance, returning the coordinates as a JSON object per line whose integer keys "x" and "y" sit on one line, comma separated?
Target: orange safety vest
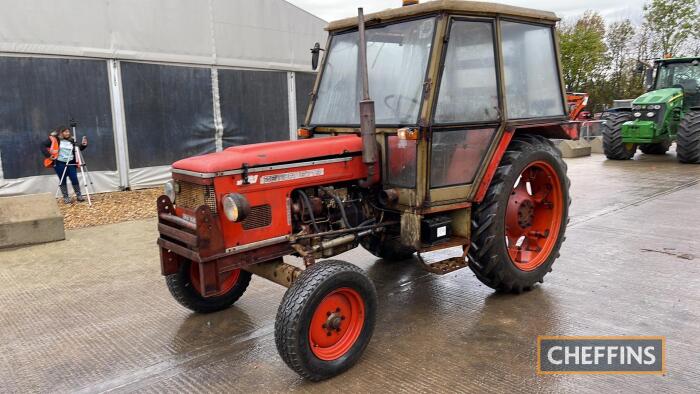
{"x": 53, "y": 151}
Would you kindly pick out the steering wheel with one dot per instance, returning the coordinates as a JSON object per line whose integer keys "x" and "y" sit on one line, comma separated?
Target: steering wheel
{"x": 398, "y": 102}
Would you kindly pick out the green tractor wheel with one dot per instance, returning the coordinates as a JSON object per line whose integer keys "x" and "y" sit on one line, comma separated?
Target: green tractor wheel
{"x": 611, "y": 128}
{"x": 659, "y": 148}
{"x": 688, "y": 138}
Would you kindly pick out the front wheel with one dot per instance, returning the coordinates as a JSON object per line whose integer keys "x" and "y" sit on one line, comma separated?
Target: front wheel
{"x": 326, "y": 319}
{"x": 613, "y": 145}
{"x": 519, "y": 226}
{"x": 184, "y": 286}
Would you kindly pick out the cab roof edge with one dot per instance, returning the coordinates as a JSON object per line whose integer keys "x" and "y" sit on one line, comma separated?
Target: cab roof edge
{"x": 476, "y": 7}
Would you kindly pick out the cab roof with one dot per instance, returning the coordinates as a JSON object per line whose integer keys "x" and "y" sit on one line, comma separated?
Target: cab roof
{"x": 677, "y": 60}
{"x": 457, "y": 6}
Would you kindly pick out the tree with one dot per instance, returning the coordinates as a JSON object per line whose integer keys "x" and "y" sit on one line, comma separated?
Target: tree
{"x": 619, "y": 39}
{"x": 672, "y": 24}
{"x": 582, "y": 50}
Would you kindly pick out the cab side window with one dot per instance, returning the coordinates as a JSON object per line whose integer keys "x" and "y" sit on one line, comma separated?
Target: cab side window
{"x": 468, "y": 89}
{"x": 532, "y": 82}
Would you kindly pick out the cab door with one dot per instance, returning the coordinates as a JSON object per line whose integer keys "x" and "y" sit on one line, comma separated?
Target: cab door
{"x": 467, "y": 114}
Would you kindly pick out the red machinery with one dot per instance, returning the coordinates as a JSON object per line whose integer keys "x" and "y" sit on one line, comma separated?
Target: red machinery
{"x": 446, "y": 175}
{"x": 577, "y": 103}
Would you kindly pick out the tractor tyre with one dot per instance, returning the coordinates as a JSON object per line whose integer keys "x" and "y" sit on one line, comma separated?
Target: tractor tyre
{"x": 688, "y": 138}
{"x": 611, "y": 128}
{"x": 655, "y": 149}
{"x": 518, "y": 228}
{"x": 326, "y": 319}
{"x": 388, "y": 248}
{"x": 185, "y": 288}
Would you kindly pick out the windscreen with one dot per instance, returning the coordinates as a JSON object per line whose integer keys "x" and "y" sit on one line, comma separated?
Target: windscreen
{"x": 397, "y": 58}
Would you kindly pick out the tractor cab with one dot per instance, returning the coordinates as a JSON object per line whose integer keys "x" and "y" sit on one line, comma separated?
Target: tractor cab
{"x": 680, "y": 73}
{"x": 448, "y": 79}
{"x": 425, "y": 142}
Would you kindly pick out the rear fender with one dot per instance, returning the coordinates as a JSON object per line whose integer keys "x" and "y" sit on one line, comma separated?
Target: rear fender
{"x": 558, "y": 130}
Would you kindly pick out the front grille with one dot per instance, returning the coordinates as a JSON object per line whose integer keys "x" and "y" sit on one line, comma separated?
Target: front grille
{"x": 260, "y": 216}
{"x": 192, "y": 196}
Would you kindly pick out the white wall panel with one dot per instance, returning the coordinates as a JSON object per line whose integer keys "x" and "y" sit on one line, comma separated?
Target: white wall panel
{"x": 240, "y": 33}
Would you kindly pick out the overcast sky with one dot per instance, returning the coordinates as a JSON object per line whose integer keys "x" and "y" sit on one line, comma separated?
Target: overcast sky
{"x": 611, "y": 9}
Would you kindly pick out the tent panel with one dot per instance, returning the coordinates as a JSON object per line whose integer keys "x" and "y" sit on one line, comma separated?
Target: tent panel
{"x": 253, "y": 106}
{"x": 168, "y": 111}
{"x": 271, "y": 31}
{"x": 39, "y": 94}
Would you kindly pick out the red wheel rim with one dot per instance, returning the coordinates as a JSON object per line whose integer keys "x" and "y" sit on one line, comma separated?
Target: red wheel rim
{"x": 534, "y": 216}
{"x": 336, "y": 324}
{"x": 228, "y": 280}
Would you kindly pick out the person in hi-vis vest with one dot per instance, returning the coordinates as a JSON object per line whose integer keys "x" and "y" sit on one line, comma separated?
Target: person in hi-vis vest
{"x": 59, "y": 153}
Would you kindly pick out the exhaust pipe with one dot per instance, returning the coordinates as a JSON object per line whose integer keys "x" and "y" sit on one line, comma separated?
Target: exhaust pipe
{"x": 367, "y": 118}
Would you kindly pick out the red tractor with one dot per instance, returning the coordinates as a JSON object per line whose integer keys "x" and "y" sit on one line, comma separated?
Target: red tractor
{"x": 451, "y": 167}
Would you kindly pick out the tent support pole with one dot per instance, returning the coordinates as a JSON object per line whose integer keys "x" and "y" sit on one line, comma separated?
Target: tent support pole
{"x": 292, "y": 104}
{"x": 218, "y": 122}
{"x": 119, "y": 121}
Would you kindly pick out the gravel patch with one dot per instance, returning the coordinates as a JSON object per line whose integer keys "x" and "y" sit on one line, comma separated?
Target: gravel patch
{"x": 110, "y": 208}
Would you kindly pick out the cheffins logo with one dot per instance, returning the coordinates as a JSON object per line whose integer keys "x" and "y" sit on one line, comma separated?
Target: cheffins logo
{"x": 601, "y": 355}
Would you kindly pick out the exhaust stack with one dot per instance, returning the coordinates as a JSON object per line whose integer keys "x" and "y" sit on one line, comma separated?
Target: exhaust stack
{"x": 367, "y": 119}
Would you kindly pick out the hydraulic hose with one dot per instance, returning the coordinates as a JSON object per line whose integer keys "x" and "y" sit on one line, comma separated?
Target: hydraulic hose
{"x": 306, "y": 204}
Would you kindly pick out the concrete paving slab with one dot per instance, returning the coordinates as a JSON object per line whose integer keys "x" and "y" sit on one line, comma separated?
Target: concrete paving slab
{"x": 92, "y": 314}
{"x": 30, "y": 219}
{"x": 574, "y": 148}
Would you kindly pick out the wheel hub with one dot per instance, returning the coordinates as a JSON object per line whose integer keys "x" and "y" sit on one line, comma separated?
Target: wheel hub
{"x": 333, "y": 322}
{"x": 336, "y": 324}
{"x": 533, "y": 216}
{"x": 526, "y": 211}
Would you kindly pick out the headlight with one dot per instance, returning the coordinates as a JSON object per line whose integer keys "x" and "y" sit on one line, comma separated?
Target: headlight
{"x": 656, "y": 107}
{"x": 637, "y": 114}
{"x": 236, "y": 207}
{"x": 651, "y": 114}
{"x": 170, "y": 189}
{"x": 636, "y": 107}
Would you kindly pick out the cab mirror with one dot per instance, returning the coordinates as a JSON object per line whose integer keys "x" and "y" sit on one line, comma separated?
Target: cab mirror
{"x": 315, "y": 51}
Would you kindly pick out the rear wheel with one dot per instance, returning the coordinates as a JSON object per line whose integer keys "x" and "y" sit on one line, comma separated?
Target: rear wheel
{"x": 688, "y": 138}
{"x": 185, "y": 288}
{"x": 518, "y": 228}
{"x": 655, "y": 149}
{"x": 611, "y": 128}
{"x": 326, "y": 319}
{"x": 387, "y": 247}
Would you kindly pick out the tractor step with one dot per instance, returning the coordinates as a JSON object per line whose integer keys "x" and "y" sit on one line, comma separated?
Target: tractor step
{"x": 443, "y": 261}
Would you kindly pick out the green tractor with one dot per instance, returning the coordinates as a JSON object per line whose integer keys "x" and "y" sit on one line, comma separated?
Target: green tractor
{"x": 669, "y": 111}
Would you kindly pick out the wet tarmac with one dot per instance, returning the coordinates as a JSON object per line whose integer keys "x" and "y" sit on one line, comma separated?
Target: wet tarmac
{"x": 92, "y": 313}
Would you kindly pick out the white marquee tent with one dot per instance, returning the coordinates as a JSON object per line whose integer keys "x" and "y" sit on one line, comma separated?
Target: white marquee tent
{"x": 149, "y": 81}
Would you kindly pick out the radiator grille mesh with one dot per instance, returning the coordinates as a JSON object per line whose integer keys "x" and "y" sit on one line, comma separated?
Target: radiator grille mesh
{"x": 260, "y": 216}
{"x": 192, "y": 196}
